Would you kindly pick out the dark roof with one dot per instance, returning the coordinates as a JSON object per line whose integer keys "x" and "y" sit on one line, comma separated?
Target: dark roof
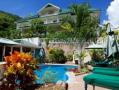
{"x": 64, "y": 11}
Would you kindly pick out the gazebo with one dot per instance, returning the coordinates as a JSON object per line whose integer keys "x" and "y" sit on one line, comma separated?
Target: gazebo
{"x": 8, "y": 46}
{"x": 3, "y": 43}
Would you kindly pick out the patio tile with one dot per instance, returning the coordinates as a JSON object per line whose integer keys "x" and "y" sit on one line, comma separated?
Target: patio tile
{"x": 78, "y": 84}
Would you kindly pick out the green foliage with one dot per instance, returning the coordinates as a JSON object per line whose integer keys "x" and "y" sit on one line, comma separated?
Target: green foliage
{"x": 37, "y": 28}
{"x": 82, "y": 55}
{"x": 85, "y": 69}
{"x": 97, "y": 54}
{"x": 53, "y": 28}
{"x": 103, "y": 30}
{"x": 57, "y": 56}
{"x": 82, "y": 26}
{"x": 47, "y": 41}
{"x": 49, "y": 77}
{"x": 69, "y": 57}
{"x": 76, "y": 55}
{"x": 67, "y": 26}
{"x": 7, "y": 22}
{"x": 54, "y": 31}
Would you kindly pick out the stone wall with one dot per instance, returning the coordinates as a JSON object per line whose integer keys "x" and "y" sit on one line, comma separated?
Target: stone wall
{"x": 67, "y": 47}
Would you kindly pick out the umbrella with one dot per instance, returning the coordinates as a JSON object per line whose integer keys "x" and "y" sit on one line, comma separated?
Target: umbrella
{"x": 112, "y": 45}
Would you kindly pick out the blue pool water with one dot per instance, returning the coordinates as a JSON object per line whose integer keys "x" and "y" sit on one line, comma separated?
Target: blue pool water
{"x": 52, "y": 73}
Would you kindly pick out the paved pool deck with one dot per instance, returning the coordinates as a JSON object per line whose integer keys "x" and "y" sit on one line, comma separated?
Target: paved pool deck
{"x": 77, "y": 83}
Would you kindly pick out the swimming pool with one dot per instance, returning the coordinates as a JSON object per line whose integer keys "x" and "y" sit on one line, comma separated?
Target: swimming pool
{"x": 52, "y": 73}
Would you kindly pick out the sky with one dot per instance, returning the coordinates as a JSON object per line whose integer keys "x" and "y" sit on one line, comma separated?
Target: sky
{"x": 24, "y": 8}
{"x": 113, "y": 13}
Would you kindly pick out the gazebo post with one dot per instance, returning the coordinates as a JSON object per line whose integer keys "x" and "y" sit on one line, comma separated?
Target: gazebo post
{"x": 3, "y": 53}
{"x": 21, "y": 49}
{"x": 11, "y": 49}
{"x": 34, "y": 52}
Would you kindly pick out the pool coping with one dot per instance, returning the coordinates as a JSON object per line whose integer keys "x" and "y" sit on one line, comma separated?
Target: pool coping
{"x": 59, "y": 64}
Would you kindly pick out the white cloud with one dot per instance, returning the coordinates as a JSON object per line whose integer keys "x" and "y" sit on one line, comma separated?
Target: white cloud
{"x": 113, "y": 13}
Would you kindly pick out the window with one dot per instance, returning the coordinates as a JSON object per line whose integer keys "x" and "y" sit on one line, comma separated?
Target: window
{"x": 54, "y": 21}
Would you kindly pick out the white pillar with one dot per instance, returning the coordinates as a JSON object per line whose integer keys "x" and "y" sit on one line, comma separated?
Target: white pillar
{"x": 11, "y": 49}
{"x": 73, "y": 58}
{"x": 3, "y": 53}
{"x": 21, "y": 49}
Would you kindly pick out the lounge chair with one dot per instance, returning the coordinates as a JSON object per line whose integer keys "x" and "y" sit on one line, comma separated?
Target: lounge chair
{"x": 100, "y": 63}
{"x": 103, "y": 77}
{"x": 104, "y": 63}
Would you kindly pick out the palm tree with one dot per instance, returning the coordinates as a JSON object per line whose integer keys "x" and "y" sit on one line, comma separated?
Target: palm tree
{"x": 82, "y": 26}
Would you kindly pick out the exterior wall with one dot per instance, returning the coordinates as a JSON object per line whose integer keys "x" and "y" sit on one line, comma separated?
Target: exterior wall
{"x": 49, "y": 14}
{"x": 68, "y": 48}
{"x": 51, "y": 19}
{"x": 23, "y": 25}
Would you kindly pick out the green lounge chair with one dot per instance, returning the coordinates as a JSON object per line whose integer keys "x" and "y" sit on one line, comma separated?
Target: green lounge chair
{"x": 104, "y": 63}
{"x": 103, "y": 77}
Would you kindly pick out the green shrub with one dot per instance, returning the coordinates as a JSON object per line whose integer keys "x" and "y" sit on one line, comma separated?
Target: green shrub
{"x": 69, "y": 57}
{"x": 57, "y": 56}
{"x": 97, "y": 54}
{"x": 50, "y": 77}
{"x": 82, "y": 55}
{"x": 84, "y": 69}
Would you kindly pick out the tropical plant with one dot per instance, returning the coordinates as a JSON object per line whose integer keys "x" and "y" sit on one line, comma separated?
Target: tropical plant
{"x": 97, "y": 54}
{"x": 7, "y": 22}
{"x": 83, "y": 27}
{"x": 103, "y": 30}
{"x": 49, "y": 77}
{"x": 82, "y": 56}
{"x": 56, "y": 55}
{"x": 38, "y": 28}
{"x": 19, "y": 71}
{"x": 69, "y": 57}
{"x": 53, "y": 31}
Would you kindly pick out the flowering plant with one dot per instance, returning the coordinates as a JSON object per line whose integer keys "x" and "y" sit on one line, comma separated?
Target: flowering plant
{"x": 20, "y": 70}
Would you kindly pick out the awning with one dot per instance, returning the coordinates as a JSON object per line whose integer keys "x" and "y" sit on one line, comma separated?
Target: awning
{"x": 7, "y": 41}
{"x": 26, "y": 43}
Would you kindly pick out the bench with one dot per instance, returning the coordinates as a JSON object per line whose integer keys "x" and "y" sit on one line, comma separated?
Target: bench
{"x": 103, "y": 77}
